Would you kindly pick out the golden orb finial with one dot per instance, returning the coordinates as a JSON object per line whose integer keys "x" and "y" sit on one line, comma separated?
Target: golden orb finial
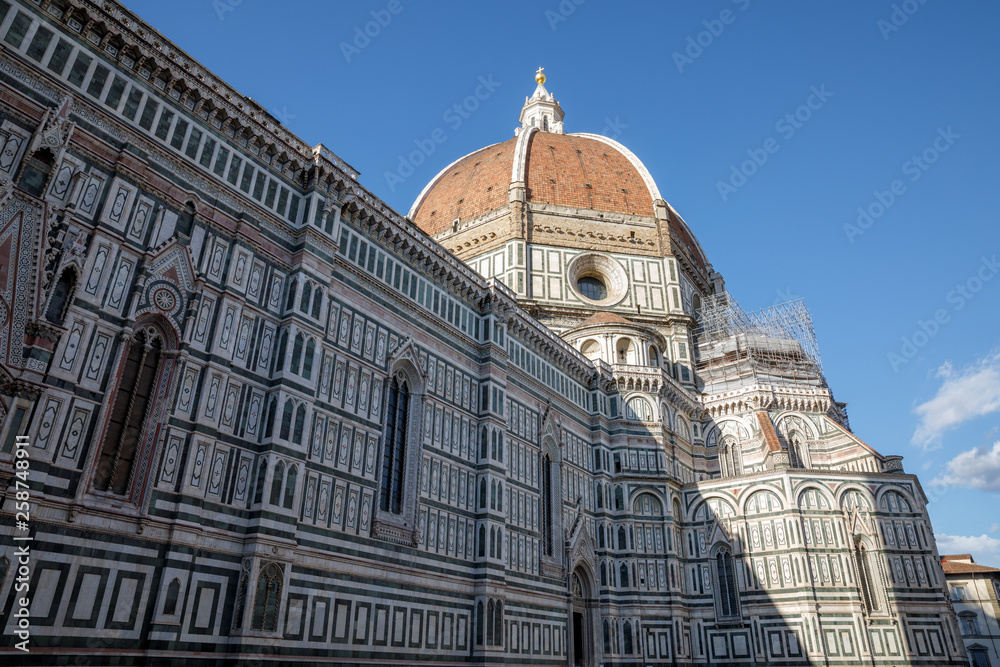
{"x": 539, "y": 77}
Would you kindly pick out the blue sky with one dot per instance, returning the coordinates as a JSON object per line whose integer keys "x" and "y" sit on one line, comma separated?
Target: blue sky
{"x": 904, "y": 100}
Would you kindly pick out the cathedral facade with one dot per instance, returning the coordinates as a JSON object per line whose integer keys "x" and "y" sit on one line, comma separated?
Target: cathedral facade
{"x": 259, "y": 417}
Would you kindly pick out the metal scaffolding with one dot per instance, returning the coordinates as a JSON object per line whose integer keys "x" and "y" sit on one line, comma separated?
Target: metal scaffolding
{"x": 776, "y": 345}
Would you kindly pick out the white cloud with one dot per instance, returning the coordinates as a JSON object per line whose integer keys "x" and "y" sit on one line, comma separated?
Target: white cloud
{"x": 985, "y": 550}
{"x": 995, "y": 527}
{"x": 974, "y": 469}
{"x": 973, "y": 392}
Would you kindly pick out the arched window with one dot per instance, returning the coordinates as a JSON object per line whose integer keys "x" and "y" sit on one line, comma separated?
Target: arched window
{"x": 604, "y": 575}
{"x": 482, "y": 443}
{"x": 173, "y": 592}
{"x": 500, "y": 447}
{"x": 493, "y": 542}
{"x": 866, "y": 576}
{"x": 607, "y": 638}
{"x": 279, "y": 358}
{"x": 61, "y": 295}
{"x": 482, "y": 493}
{"x": 279, "y": 476}
{"x": 317, "y": 304}
{"x": 394, "y": 449}
{"x": 548, "y": 543}
{"x": 286, "y": 420}
{"x": 500, "y": 496}
{"x": 290, "y": 302}
{"x": 267, "y": 598}
{"x": 35, "y": 172}
{"x": 627, "y": 638}
{"x": 654, "y": 356}
{"x": 489, "y": 623}
{"x": 293, "y": 474}
{"x": 600, "y": 536}
{"x": 619, "y": 498}
{"x": 493, "y": 495}
{"x": 726, "y": 595}
{"x": 300, "y": 423}
{"x": 306, "y": 297}
{"x": 498, "y": 624}
{"x": 480, "y": 623}
{"x": 269, "y": 423}
{"x": 482, "y": 541}
{"x": 797, "y": 451}
{"x": 258, "y": 494}
{"x": 623, "y": 576}
{"x": 130, "y": 412}
{"x": 307, "y": 362}
{"x": 622, "y": 544}
{"x": 493, "y": 449}
{"x": 730, "y": 462}
{"x": 297, "y": 353}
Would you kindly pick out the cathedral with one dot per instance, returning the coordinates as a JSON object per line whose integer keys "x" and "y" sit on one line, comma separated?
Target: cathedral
{"x": 251, "y": 415}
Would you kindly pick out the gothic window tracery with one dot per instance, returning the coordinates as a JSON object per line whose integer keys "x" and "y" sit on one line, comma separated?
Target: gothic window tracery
{"x": 130, "y": 412}
{"x": 394, "y": 446}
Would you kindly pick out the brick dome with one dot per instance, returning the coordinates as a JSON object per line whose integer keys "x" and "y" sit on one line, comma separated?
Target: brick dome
{"x": 582, "y": 171}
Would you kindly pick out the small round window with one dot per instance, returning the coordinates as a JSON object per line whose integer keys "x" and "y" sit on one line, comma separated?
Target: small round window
{"x": 593, "y": 288}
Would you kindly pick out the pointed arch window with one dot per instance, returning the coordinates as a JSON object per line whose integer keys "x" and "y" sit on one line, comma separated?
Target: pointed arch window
{"x": 290, "y": 480}
{"x": 317, "y": 304}
{"x": 279, "y": 476}
{"x": 279, "y": 358}
{"x": 394, "y": 447}
{"x": 269, "y": 422}
{"x": 62, "y": 293}
{"x": 866, "y": 576}
{"x": 498, "y": 624}
{"x": 731, "y": 462}
{"x": 267, "y": 598}
{"x": 627, "y": 638}
{"x": 480, "y": 623}
{"x": 133, "y": 414}
{"x": 286, "y": 420}
{"x": 726, "y": 593}
{"x": 797, "y": 451}
{"x": 548, "y": 542}
{"x": 258, "y": 494}
{"x": 300, "y": 423}
{"x": 297, "y": 353}
{"x": 306, "y": 297}
{"x": 173, "y": 592}
{"x": 307, "y": 362}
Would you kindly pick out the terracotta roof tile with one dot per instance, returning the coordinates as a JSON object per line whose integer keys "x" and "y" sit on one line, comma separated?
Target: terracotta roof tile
{"x": 476, "y": 184}
{"x": 951, "y": 567}
{"x": 561, "y": 169}
{"x": 767, "y": 428}
{"x": 603, "y": 317}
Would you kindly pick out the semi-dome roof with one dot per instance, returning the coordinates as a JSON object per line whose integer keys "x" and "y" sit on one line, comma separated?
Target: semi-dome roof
{"x": 584, "y": 171}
